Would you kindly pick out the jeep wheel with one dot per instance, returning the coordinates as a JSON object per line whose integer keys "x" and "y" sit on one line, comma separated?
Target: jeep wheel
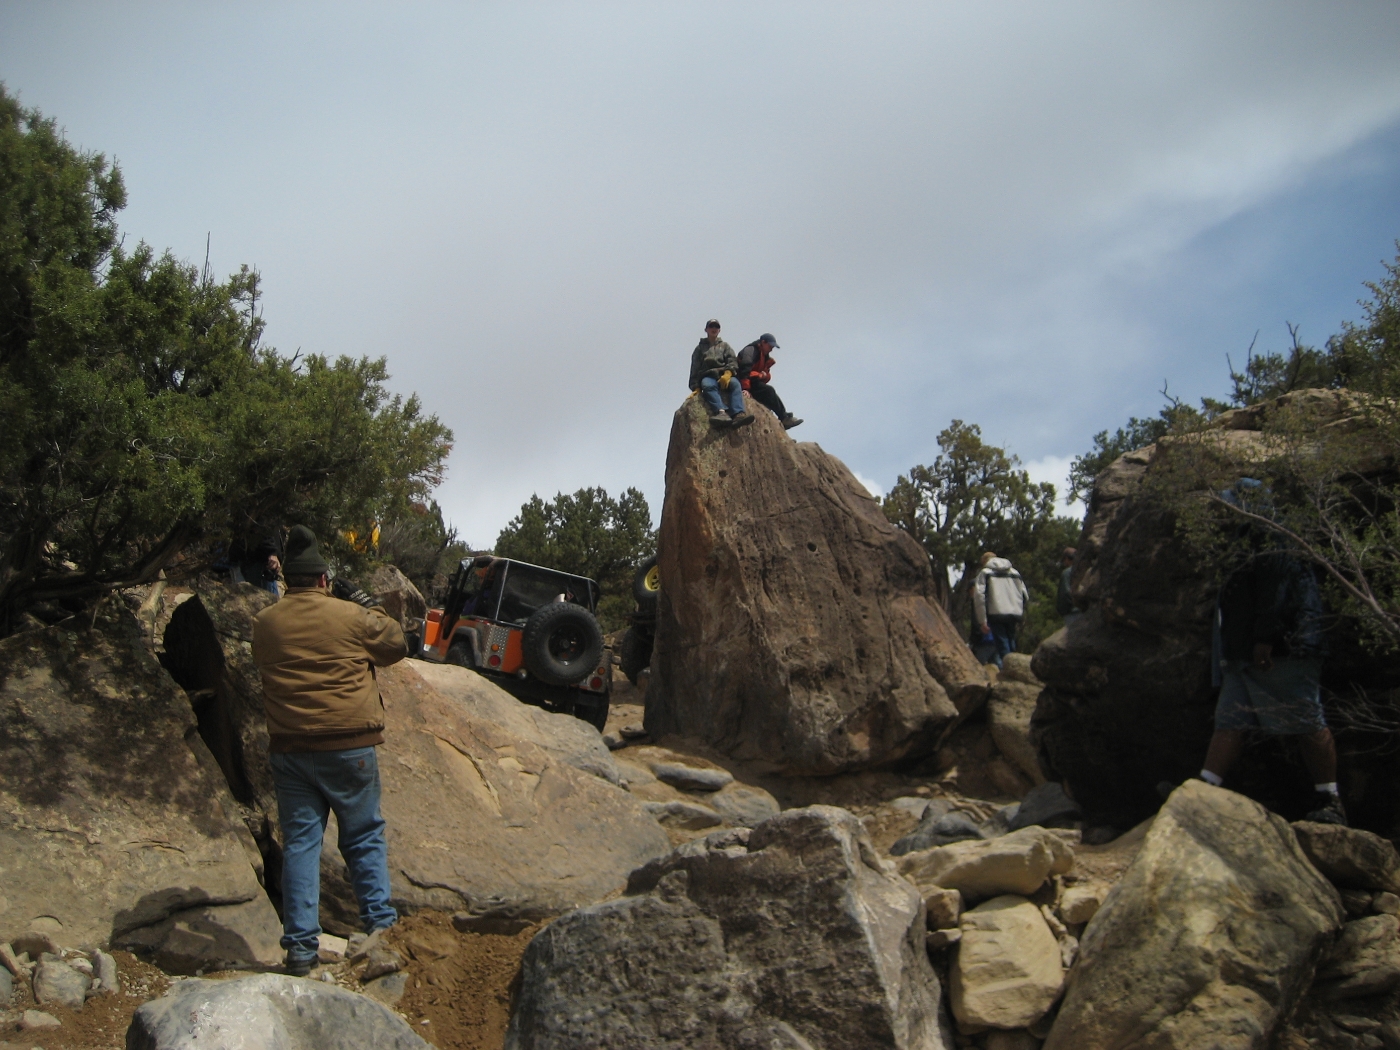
{"x": 635, "y": 654}
{"x": 561, "y": 643}
{"x": 460, "y": 653}
{"x": 646, "y": 584}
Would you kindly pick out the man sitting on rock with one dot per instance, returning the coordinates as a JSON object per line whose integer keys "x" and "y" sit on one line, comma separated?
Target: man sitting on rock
{"x": 1268, "y": 642}
{"x": 713, "y": 372}
{"x": 325, "y": 716}
{"x": 756, "y": 374}
{"x": 999, "y": 598}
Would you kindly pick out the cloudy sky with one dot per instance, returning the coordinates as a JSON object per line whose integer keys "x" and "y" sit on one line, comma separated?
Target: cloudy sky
{"x": 1025, "y": 215}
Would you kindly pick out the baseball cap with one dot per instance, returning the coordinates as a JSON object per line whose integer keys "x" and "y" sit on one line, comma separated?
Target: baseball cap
{"x": 767, "y": 337}
{"x": 711, "y": 323}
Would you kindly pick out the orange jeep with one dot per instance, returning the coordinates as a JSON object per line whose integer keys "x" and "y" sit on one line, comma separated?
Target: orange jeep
{"x": 531, "y": 630}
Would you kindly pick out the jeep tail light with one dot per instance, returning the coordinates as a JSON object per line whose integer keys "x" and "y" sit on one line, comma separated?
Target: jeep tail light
{"x": 595, "y": 683}
{"x": 494, "y": 661}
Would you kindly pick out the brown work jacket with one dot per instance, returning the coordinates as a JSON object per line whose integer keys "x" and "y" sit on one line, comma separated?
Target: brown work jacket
{"x": 317, "y": 656}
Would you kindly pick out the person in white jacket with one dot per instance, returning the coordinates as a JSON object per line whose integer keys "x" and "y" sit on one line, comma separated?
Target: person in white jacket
{"x": 999, "y": 598}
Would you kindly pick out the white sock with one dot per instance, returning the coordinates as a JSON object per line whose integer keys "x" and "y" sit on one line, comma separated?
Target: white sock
{"x": 1330, "y": 789}
{"x": 1211, "y": 779}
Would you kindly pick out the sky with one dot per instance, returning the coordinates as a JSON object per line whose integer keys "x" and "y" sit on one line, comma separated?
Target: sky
{"x": 1030, "y": 216}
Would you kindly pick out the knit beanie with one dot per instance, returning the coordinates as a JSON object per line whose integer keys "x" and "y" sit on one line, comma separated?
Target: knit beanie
{"x": 303, "y": 556}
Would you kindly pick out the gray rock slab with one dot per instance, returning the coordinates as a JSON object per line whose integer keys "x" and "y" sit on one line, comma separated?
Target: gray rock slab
{"x": 690, "y": 816}
{"x": 743, "y": 806}
{"x": 387, "y": 989}
{"x": 267, "y": 1012}
{"x": 691, "y": 778}
{"x": 1048, "y": 806}
{"x": 57, "y": 982}
{"x": 1350, "y": 857}
{"x": 31, "y": 1019}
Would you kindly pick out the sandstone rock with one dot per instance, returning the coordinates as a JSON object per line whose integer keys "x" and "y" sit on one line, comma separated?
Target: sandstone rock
{"x": 1007, "y": 973}
{"x": 400, "y": 598}
{"x": 690, "y": 777}
{"x": 1016, "y": 863}
{"x": 1385, "y": 904}
{"x": 269, "y": 1010}
{"x": 1047, "y": 806}
{"x": 34, "y": 944}
{"x": 943, "y": 908}
{"x": 1364, "y": 961}
{"x": 32, "y": 1019}
{"x": 1010, "y": 705}
{"x": 1208, "y": 939}
{"x": 493, "y": 807}
{"x": 938, "y": 940}
{"x": 743, "y": 806}
{"x": 691, "y": 816}
{"x": 1016, "y": 667}
{"x": 1356, "y": 902}
{"x": 1079, "y": 904}
{"x": 1350, "y": 857}
{"x": 57, "y": 982}
{"x": 736, "y": 940}
{"x": 229, "y": 937}
{"x": 331, "y": 948}
{"x": 113, "y": 816}
{"x": 107, "y": 973}
{"x": 795, "y": 626}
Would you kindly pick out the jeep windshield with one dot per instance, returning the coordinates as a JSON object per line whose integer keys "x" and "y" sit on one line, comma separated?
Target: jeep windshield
{"x": 510, "y": 591}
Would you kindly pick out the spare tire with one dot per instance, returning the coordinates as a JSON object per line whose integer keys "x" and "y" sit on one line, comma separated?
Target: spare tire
{"x": 562, "y": 643}
{"x": 646, "y": 585}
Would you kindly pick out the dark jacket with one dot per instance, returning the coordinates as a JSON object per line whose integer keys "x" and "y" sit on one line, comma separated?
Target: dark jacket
{"x": 1064, "y": 597}
{"x": 713, "y": 360}
{"x": 1272, "y": 598}
{"x": 755, "y": 362}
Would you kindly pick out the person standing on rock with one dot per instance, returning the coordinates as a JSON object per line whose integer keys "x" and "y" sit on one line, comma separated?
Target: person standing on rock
{"x": 999, "y": 599}
{"x": 756, "y": 375}
{"x": 316, "y": 654}
{"x": 1267, "y": 640}
{"x": 1064, "y": 597}
{"x": 713, "y": 372}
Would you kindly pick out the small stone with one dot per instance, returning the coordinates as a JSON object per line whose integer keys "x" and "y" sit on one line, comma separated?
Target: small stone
{"x": 360, "y": 945}
{"x": 1385, "y": 903}
{"x": 107, "y": 972}
{"x": 11, "y": 961}
{"x": 909, "y": 804}
{"x": 691, "y": 778}
{"x": 634, "y": 731}
{"x": 614, "y": 742}
{"x": 387, "y": 989}
{"x": 937, "y": 940}
{"x": 1080, "y": 904}
{"x": 57, "y": 982}
{"x": 82, "y": 965}
{"x": 381, "y": 961}
{"x": 943, "y": 908}
{"x": 37, "y": 1019}
{"x": 331, "y": 949}
{"x": 35, "y": 944}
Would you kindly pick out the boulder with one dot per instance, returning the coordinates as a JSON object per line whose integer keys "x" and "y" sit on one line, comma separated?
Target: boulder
{"x": 57, "y": 982}
{"x": 208, "y": 938}
{"x": 795, "y": 625}
{"x": 1350, "y": 857}
{"x": 1007, "y": 972}
{"x": 396, "y": 592}
{"x": 115, "y": 821}
{"x": 493, "y": 807}
{"x": 1079, "y": 904}
{"x": 1016, "y": 863}
{"x": 1010, "y": 705}
{"x": 1209, "y": 938}
{"x": 792, "y": 935}
{"x": 269, "y": 1010}
{"x": 1364, "y": 961}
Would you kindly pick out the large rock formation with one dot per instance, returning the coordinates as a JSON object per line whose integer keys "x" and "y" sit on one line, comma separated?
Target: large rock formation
{"x": 115, "y": 822}
{"x": 494, "y": 807}
{"x": 1210, "y": 937}
{"x": 267, "y": 1011}
{"x": 792, "y": 936}
{"x": 1128, "y": 701}
{"x": 794, "y": 626}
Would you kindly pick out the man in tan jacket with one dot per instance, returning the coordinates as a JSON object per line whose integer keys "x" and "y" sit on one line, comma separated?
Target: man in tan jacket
{"x": 317, "y": 655}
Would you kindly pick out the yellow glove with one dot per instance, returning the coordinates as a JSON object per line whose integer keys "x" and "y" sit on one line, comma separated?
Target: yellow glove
{"x": 724, "y": 380}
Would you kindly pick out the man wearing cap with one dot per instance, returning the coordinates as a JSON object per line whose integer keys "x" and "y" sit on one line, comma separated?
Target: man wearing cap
{"x": 317, "y": 655}
{"x": 714, "y": 372}
{"x": 756, "y": 373}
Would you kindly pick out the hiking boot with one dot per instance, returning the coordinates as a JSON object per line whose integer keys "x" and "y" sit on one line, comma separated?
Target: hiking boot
{"x": 298, "y": 966}
{"x": 719, "y": 419}
{"x": 1330, "y": 812}
{"x": 790, "y": 421}
{"x": 743, "y": 419}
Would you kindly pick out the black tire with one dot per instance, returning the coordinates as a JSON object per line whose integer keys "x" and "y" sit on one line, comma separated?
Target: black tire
{"x": 562, "y": 643}
{"x": 634, "y": 656}
{"x": 594, "y": 712}
{"x": 646, "y": 585}
{"x": 460, "y": 653}
{"x": 415, "y": 643}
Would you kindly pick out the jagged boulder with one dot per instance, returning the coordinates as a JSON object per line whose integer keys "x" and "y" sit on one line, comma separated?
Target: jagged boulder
{"x": 269, "y": 1010}
{"x": 115, "y": 821}
{"x": 1210, "y": 937}
{"x": 794, "y": 627}
{"x": 493, "y": 807}
{"x": 400, "y": 598}
{"x": 794, "y": 935}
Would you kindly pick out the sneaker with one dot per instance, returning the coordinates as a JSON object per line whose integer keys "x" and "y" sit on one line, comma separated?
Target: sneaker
{"x": 743, "y": 419}
{"x": 719, "y": 419}
{"x": 791, "y": 421}
{"x": 1330, "y": 812}
{"x": 298, "y": 966}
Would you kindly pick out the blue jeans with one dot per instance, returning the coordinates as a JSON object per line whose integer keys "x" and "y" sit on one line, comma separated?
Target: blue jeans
{"x": 1004, "y": 635}
{"x": 309, "y": 786}
{"x": 715, "y": 397}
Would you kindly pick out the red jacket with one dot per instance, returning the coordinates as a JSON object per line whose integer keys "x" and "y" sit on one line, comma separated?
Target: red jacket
{"x": 762, "y": 366}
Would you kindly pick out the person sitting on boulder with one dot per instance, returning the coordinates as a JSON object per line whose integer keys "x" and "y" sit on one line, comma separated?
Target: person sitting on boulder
{"x": 713, "y": 372}
{"x": 999, "y": 598}
{"x": 316, "y": 655}
{"x": 756, "y": 376}
{"x": 1267, "y": 642}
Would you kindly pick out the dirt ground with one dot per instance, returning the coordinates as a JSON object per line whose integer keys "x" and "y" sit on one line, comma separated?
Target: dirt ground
{"x": 102, "y": 1022}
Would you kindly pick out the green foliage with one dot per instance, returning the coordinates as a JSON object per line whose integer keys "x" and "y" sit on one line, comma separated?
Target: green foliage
{"x": 975, "y": 498}
{"x": 423, "y": 547}
{"x": 142, "y": 414}
{"x": 589, "y": 534}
